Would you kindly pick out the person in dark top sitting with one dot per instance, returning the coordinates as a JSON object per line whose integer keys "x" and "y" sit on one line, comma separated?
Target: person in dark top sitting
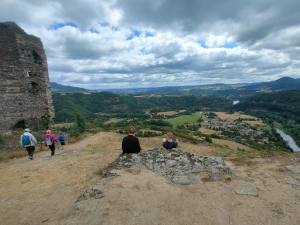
{"x": 169, "y": 143}
{"x": 130, "y": 143}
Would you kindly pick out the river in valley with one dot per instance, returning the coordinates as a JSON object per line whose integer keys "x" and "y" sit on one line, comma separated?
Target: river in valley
{"x": 289, "y": 140}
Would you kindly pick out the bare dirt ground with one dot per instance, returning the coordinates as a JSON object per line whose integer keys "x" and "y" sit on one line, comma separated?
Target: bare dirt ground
{"x": 169, "y": 113}
{"x": 44, "y": 190}
{"x": 206, "y": 131}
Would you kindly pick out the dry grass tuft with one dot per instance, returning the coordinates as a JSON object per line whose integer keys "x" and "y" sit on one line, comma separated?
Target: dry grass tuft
{"x": 281, "y": 169}
{"x": 205, "y": 177}
{"x": 226, "y": 177}
{"x": 133, "y": 170}
{"x": 99, "y": 172}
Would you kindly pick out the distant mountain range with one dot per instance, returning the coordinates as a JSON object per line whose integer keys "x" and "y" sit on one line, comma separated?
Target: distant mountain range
{"x": 58, "y": 88}
{"x": 231, "y": 91}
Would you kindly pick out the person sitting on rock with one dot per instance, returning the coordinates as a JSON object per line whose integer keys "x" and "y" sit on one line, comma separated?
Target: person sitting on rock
{"x": 169, "y": 143}
{"x": 130, "y": 143}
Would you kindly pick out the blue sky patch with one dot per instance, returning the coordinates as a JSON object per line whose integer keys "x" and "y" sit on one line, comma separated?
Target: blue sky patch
{"x": 56, "y": 26}
{"x": 114, "y": 28}
{"x": 202, "y": 43}
{"x": 149, "y": 34}
{"x": 230, "y": 45}
{"x": 92, "y": 30}
{"x": 144, "y": 52}
{"x": 135, "y": 33}
{"x": 104, "y": 24}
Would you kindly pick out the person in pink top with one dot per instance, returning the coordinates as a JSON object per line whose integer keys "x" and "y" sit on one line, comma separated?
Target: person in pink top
{"x": 50, "y": 140}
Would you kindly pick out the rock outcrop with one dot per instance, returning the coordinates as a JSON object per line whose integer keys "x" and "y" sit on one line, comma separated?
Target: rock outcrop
{"x": 180, "y": 167}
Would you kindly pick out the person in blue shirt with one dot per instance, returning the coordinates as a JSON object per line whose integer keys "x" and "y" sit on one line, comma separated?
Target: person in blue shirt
{"x": 169, "y": 143}
{"x": 61, "y": 139}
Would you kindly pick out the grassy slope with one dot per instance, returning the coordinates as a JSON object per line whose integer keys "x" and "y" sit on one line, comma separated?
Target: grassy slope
{"x": 180, "y": 120}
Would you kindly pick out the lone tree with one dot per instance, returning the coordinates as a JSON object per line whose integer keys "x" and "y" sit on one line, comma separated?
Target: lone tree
{"x": 80, "y": 123}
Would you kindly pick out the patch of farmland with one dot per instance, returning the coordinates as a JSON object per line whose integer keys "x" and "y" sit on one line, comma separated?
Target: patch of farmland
{"x": 235, "y": 116}
{"x": 231, "y": 144}
{"x": 181, "y": 120}
{"x": 256, "y": 122}
{"x": 64, "y": 124}
{"x": 169, "y": 113}
{"x": 206, "y": 131}
{"x": 112, "y": 120}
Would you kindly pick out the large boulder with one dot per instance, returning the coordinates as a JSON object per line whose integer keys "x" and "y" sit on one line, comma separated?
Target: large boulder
{"x": 180, "y": 167}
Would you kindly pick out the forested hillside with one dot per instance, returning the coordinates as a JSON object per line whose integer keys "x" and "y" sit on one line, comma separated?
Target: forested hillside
{"x": 94, "y": 104}
{"x": 284, "y": 103}
{"x": 280, "y": 107}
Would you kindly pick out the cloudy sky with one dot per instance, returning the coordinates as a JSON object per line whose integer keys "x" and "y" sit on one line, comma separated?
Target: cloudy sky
{"x": 146, "y": 43}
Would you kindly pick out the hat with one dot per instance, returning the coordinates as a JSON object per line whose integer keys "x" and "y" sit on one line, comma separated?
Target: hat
{"x": 48, "y": 131}
{"x": 27, "y": 130}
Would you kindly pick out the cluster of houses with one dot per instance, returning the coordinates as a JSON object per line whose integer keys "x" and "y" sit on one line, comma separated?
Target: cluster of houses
{"x": 222, "y": 126}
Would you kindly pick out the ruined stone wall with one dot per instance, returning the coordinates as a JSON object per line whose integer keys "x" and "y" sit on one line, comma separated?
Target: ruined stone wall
{"x": 25, "y": 92}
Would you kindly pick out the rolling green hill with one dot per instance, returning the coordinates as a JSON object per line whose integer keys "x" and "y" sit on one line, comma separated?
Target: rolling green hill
{"x": 284, "y": 103}
{"x": 280, "y": 108}
{"x": 127, "y": 106}
{"x": 57, "y": 88}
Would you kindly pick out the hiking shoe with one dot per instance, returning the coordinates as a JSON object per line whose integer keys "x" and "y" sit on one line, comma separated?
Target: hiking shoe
{"x": 31, "y": 158}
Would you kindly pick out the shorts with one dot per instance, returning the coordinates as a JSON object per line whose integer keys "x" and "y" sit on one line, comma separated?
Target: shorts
{"x": 62, "y": 143}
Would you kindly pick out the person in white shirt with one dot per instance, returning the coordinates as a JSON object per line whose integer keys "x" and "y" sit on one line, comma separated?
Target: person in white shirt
{"x": 28, "y": 141}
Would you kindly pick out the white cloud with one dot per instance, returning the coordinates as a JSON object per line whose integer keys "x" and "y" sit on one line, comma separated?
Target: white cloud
{"x": 172, "y": 42}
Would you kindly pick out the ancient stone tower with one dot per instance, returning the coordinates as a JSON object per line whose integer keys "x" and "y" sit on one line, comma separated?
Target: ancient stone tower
{"x": 25, "y": 92}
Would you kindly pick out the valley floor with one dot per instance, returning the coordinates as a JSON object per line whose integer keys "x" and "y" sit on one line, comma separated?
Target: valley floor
{"x": 44, "y": 190}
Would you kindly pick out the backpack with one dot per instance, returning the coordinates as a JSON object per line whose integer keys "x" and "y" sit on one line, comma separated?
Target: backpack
{"x": 48, "y": 141}
{"x": 25, "y": 140}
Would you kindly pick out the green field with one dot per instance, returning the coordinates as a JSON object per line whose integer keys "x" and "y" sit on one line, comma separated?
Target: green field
{"x": 181, "y": 120}
{"x": 112, "y": 120}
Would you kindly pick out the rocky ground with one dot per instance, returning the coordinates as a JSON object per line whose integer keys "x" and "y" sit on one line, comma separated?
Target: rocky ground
{"x": 68, "y": 189}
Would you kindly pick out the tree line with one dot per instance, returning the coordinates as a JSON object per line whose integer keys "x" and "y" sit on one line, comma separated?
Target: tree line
{"x": 90, "y": 106}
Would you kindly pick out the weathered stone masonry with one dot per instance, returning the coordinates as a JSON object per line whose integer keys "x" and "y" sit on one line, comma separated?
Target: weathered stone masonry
{"x": 25, "y": 92}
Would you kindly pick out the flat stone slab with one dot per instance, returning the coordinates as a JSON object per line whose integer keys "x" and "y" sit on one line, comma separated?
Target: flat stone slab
{"x": 293, "y": 169}
{"x": 292, "y": 182}
{"x": 226, "y": 190}
{"x": 247, "y": 189}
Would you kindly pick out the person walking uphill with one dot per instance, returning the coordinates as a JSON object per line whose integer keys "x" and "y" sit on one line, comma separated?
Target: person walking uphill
{"x": 50, "y": 141}
{"x": 28, "y": 141}
{"x": 130, "y": 143}
{"x": 61, "y": 139}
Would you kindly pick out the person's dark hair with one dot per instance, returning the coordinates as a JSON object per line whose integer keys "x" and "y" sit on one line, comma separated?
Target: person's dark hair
{"x": 131, "y": 130}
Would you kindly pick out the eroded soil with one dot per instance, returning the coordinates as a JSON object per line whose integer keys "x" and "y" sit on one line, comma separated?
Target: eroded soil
{"x": 44, "y": 190}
